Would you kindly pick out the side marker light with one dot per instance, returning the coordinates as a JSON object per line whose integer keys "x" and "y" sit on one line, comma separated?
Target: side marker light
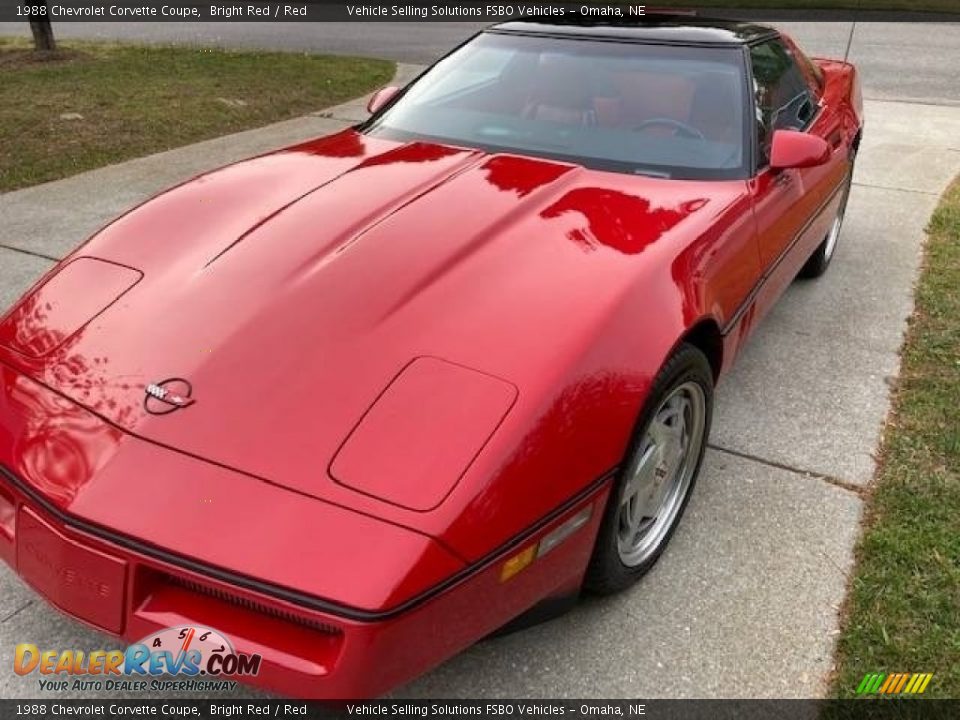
{"x": 523, "y": 559}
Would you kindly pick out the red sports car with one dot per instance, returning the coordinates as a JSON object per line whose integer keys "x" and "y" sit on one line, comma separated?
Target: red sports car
{"x": 361, "y": 402}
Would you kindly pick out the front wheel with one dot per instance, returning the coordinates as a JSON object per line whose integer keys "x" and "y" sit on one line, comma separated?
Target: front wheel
{"x": 657, "y": 476}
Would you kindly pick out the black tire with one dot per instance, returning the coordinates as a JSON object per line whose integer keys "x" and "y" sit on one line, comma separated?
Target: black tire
{"x": 820, "y": 260}
{"x": 607, "y": 573}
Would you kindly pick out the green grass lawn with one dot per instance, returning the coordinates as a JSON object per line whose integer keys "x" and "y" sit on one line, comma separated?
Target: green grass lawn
{"x": 903, "y": 611}
{"x": 92, "y": 104}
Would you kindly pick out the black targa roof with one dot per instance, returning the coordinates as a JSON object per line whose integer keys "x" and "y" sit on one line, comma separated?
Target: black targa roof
{"x": 673, "y": 29}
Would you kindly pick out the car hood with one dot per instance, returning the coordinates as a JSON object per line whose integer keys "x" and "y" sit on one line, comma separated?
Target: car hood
{"x": 292, "y": 289}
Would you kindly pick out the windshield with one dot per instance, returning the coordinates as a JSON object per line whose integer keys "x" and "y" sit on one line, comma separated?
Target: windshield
{"x": 648, "y": 109}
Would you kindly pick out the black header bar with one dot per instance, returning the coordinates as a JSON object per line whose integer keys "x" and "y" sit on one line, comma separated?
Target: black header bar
{"x": 489, "y": 11}
{"x": 51, "y": 708}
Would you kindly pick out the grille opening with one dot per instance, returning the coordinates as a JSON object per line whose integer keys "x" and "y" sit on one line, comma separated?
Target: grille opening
{"x": 248, "y": 604}
{"x": 286, "y": 640}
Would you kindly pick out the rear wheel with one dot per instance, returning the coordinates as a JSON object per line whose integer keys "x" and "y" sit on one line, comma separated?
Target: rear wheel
{"x": 820, "y": 260}
{"x": 657, "y": 476}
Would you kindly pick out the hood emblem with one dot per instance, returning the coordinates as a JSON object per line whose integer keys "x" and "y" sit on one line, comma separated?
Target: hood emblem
{"x": 167, "y": 396}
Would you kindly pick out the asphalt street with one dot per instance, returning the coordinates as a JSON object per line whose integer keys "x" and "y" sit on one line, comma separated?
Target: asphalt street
{"x": 745, "y": 601}
{"x": 903, "y": 61}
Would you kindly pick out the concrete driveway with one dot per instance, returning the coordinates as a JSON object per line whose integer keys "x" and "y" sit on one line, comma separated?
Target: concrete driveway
{"x": 744, "y": 603}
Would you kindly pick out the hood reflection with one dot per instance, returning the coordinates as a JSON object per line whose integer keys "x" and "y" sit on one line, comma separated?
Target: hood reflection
{"x": 522, "y": 175}
{"x": 58, "y": 447}
{"x": 627, "y": 223}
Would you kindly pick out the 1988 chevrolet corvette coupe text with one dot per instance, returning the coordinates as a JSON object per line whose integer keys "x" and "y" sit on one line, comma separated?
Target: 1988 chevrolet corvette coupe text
{"x": 358, "y": 403}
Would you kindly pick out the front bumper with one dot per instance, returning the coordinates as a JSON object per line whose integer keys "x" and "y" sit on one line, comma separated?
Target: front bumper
{"x": 74, "y": 542}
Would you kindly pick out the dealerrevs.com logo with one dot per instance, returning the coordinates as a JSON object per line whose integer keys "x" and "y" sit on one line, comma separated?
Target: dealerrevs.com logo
{"x": 197, "y": 658}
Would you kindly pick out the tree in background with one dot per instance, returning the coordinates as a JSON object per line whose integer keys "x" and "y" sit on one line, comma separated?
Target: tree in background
{"x": 40, "y": 26}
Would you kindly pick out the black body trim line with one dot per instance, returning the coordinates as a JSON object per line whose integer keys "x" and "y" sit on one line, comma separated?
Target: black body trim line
{"x": 754, "y": 291}
{"x": 296, "y": 597}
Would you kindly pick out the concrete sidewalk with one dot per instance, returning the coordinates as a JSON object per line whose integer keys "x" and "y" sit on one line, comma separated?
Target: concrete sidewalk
{"x": 745, "y": 601}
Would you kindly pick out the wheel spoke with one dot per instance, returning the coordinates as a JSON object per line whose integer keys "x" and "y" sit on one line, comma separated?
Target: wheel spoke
{"x": 642, "y": 474}
{"x": 646, "y": 505}
{"x": 681, "y": 422}
{"x": 634, "y": 516}
{"x": 660, "y": 433}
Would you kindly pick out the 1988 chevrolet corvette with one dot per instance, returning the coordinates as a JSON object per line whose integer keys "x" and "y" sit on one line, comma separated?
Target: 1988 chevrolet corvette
{"x": 363, "y": 401}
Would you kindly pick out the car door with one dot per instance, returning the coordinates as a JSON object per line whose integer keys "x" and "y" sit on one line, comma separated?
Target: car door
{"x": 791, "y": 207}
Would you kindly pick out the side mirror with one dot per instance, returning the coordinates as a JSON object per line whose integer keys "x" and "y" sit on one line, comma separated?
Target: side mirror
{"x": 792, "y": 149}
{"x": 381, "y": 97}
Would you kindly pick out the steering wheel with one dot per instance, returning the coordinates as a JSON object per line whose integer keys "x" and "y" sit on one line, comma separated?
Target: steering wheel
{"x": 681, "y": 127}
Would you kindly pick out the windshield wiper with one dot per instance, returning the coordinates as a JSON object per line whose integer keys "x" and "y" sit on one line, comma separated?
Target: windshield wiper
{"x": 651, "y": 173}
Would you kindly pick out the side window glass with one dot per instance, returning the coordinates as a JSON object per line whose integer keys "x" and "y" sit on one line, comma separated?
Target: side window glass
{"x": 812, "y": 74}
{"x": 783, "y": 96}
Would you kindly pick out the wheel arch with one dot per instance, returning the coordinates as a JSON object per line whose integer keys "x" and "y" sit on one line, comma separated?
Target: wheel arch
{"x": 705, "y": 335}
